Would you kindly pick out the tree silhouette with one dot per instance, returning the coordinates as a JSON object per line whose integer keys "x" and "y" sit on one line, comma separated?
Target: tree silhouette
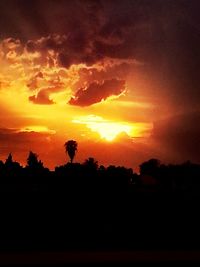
{"x": 11, "y": 166}
{"x": 150, "y": 167}
{"x": 33, "y": 162}
{"x": 71, "y": 148}
{"x": 9, "y": 160}
{"x": 91, "y": 164}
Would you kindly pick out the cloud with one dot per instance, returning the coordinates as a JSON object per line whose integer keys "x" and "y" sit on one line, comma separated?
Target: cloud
{"x": 106, "y": 70}
{"x": 13, "y": 138}
{"x": 69, "y": 58}
{"x": 46, "y": 84}
{"x": 51, "y": 42}
{"x": 96, "y": 92}
{"x": 43, "y": 95}
{"x": 41, "y": 98}
{"x": 74, "y": 47}
{"x": 33, "y": 82}
{"x": 12, "y": 44}
{"x": 163, "y": 34}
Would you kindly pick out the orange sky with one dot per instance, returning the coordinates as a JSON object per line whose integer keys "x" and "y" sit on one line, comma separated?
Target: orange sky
{"x": 37, "y": 96}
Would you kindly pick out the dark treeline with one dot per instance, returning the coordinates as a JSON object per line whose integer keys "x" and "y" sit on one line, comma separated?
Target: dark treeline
{"x": 87, "y": 206}
{"x": 153, "y": 176}
{"x": 87, "y": 174}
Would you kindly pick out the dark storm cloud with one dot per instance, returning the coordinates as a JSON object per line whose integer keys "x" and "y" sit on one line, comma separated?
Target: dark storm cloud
{"x": 118, "y": 71}
{"x": 89, "y": 30}
{"x": 96, "y": 92}
{"x": 85, "y": 31}
{"x": 51, "y": 42}
{"x": 164, "y": 34}
{"x": 73, "y": 48}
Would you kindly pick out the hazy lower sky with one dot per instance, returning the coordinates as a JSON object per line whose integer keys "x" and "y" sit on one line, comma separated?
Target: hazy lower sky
{"x": 120, "y": 77}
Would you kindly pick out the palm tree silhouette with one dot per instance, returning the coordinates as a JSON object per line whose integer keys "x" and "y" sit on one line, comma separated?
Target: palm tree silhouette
{"x": 71, "y": 148}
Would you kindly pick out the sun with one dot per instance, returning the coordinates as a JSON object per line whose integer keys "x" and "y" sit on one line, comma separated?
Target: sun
{"x": 106, "y": 129}
{"x": 109, "y": 130}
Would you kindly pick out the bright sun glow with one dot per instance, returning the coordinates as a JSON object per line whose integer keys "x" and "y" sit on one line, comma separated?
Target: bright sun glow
{"x": 107, "y": 130}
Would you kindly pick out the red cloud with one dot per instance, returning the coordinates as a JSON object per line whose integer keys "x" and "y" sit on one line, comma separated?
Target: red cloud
{"x": 41, "y": 98}
{"x": 96, "y": 92}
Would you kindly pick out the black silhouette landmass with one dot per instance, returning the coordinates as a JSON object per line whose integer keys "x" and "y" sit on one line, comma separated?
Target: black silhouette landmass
{"x": 91, "y": 207}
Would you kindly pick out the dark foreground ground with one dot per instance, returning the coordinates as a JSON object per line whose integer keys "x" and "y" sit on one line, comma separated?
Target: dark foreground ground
{"x": 62, "y": 224}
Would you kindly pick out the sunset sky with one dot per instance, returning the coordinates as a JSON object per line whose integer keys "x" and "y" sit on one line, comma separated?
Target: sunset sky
{"x": 122, "y": 78}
